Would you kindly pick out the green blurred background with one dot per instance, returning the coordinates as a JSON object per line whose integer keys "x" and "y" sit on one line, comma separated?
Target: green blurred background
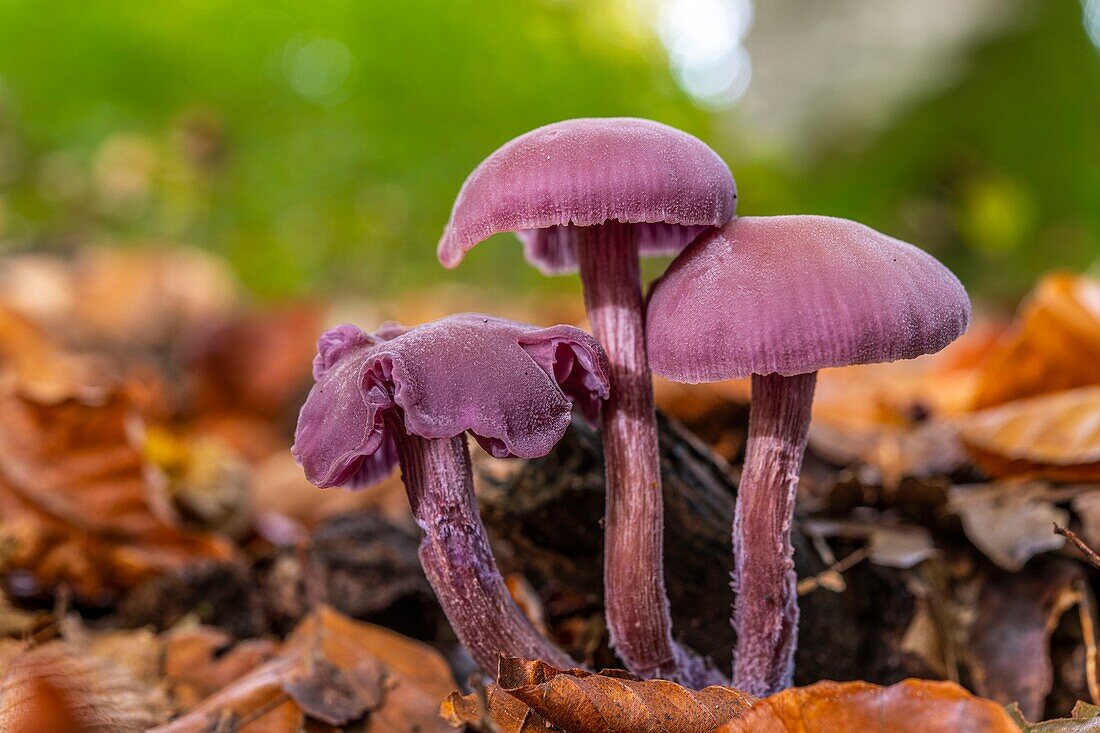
{"x": 319, "y": 145}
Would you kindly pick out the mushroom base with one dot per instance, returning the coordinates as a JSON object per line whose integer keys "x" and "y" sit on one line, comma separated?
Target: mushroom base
{"x": 457, "y": 558}
{"x": 765, "y": 613}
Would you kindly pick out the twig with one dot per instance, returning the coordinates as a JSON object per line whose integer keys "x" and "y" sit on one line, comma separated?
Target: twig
{"x": 812, "y": 583}
{"x": 1091, "y": 556}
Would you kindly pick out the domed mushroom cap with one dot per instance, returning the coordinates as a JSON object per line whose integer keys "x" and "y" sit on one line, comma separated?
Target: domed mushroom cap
{"x": 512, "y": 386}
{"x": 586, "y": 172}
{"x": 794, "y": 294}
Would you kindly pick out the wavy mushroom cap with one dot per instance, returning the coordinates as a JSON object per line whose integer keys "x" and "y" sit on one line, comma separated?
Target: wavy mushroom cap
{"x": 585, "y": 172}
{"x": 512, "y": 386}
{"x": 794, "y": 294}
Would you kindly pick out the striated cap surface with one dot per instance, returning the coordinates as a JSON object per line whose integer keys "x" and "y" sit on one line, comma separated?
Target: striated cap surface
{"x": 584, "y": 172}
{"x": 512, "y": 386}
{"x": 794, "y": 294}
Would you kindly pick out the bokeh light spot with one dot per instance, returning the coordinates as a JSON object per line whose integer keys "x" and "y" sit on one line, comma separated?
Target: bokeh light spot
{"x": 318, "y": 70}
{"x": 704, "y": 42}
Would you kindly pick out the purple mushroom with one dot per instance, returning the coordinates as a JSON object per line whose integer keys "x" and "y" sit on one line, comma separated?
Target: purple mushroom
{"x": 409, "y": 397}
{"x": 780, "y": 298}
{"x": 597, "y": 194}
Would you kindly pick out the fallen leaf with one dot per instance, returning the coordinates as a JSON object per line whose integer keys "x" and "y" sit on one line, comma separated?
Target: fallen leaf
{"x": 1087, "y": 507}
{"x": 38, "y": 365}
{"x": 147, "y": 295}
{"x": 492, "y": 710}
{"x": 200, "y": 661}
{"x": 255, "y": 363}
{"x": 911, "y": 705}
{"x": 576, "y": 701}
{"x": 17, "y": 622}
{"x": 280, "y": 487}
{"x": 205, "y": 480}
{"x": 1010, "y": 524}
{"x": 1055, "y": 436}
{"x": 330, "y": 670}
{"x": 923, "y": 641}
{"x": 1054, "y": 344}
{"x": 892, "y": 417}
{"x": 1085, "y": 718}
{"x": 74, "y": 500}
{"x": 138, "y": 651}
{"x": 902, "y": 546}
{"x": 927, "y": 448}
{"x": 1014, "y": 618}
{"x": 59, "y": 688}
{"x": 890, "y": 545}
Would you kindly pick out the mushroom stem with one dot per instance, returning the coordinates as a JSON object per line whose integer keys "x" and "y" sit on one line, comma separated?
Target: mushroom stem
{"x": 456, "y": 556}
{"x": 765, "y": 612}
{"x": 636, "y": 604}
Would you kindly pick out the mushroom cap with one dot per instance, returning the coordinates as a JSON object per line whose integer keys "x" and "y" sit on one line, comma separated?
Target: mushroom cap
{"x": 794, "y": 294}
{"x": 512, "y": 386}
{"x": 585, "y": 172}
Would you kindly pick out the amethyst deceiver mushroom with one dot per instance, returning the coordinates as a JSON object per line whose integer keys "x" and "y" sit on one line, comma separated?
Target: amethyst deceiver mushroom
{"x": 409, "y": 397}
{"x": 597, "y": 194}
{"x": 779, "y": 298}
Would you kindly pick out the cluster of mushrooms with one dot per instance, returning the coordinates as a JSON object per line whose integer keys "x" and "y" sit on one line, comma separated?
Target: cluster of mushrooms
{"x": 777, "y": 298}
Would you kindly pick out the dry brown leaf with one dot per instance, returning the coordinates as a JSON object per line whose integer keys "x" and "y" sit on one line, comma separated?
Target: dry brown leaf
{"x": 280, "y": 487}
{"x": 1085, "y": 718}
{"x": 1015, "y": 616}
{"x": 203, "y": 477}
{"x": 1087, "y": 507}
{"x": 911, "y": 705}
{"x": 889, "y": 544}
{"x": 1054, "y": 344}
{"x": 75, "y": 503}
{"x": 582, "y": 702}
{"x": 38, "y": 365}
{"x": 892, "y": 417}
{"x": 147, "y": 294}
{"x": 255, "y": 364}
{"x": 492, "y": 710}
{"x": 331, "y": 670}
{"x": 1009, "y": 523}
{"x": 138, "y": 651}
{"x": 59, "y": 688}
{"x": 202, "y": 660}
{"x": 928, "y": 448}
{"x": 1055, "y": 436}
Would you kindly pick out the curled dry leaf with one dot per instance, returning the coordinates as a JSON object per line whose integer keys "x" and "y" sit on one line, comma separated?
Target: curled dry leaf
{"x": 1085, "y": 718}
{"x": 1053, "y": 345}
{"x": 75, "y": 505}
{"x": 912, "y": 705}
{"x": 202, "y": 660}
{"x": 576, "y": 701}
{"x": 37, "y": 365}
{"x": 330, "y": 671}
{"x": 58, "y": 688}
{"x": 1010, "y": 524}
{"x": 891, "y": 417}
{"x": 492, "y": 710}
{"x": 1054, "y": 436}
{"x": 256, "y": 363}
{"x": 1014, "y": 618}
